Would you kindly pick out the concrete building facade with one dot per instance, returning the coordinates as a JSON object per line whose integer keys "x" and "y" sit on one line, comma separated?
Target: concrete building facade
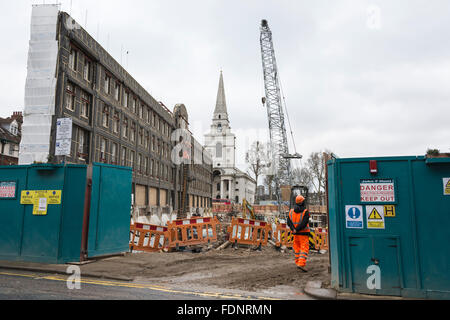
{"x": 229, "y": 182}
{"x": 116, "y": 121}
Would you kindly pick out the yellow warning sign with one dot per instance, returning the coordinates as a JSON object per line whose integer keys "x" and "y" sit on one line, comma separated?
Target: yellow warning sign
{"x": 375, "y": 217}
{"x": 27, "y": 197}
{"x": 446, "y": 186}
{"x": 389, "y": 210}
{"x": 40, "y": 199}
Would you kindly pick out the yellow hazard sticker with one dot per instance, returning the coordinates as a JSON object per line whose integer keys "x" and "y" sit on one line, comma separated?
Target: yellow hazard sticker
{"x": 40, "y": 199}
{"x": 389, "y": 210}
{"x": 375, "y": 217}
{"x": 446, "y": 186}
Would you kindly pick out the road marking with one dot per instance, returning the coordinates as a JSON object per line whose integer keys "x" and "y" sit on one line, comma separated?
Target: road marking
{"x": 137, "y": 286}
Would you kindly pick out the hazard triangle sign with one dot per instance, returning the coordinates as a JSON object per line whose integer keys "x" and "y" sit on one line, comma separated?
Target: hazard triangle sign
{"x": 375, "y": 217}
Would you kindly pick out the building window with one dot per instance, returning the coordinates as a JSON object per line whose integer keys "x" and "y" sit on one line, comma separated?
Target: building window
{"x": 139, "y": 163}
{"x": 117, "y": 91}
{"x": 146, "y": 166}
{"x": 107, "y": 86}
{"x": 133, "y": 105}
{"x": 218, "y": 186}
{"x": 13, "y": 128}
{"x": 125, "y": 128}
{"x": 105, "y": 116}
{"x": 126, "y": 95}
{"x": 85, "y": 104}
{"x": 124, "y": 157}
{"x": 114, "y": 153}
{"x": 103, "y": 150}
{"x": 141, "y": 137}
{"x": 82, "y": 141}
{"x": 131, "y": 159}
{"x": 218, "y": 150}
{"x": 148, "y": 115}
{"x": 153, "y": 143}
{"x": 116, "y": 122}
{"x": 154, "y": 119}
{"x": 141, "y": 112}
{"x": 87, "y": 70}
{"x": 73, "y": 59}
{"x": 147, "y": 140}
{"x": 152, "y": 167}
{"x": 70, "y": 97}
{"x": 132, "y": 133}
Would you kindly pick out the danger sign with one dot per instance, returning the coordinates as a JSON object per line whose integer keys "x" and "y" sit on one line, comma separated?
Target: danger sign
{"x": 377, "y": 190}
{"x": 446, "y": 186}
{"x": 375, "y": 217}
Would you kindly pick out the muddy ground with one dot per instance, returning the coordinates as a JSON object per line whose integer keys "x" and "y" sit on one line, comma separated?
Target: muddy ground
{"x": 269, "y": 272}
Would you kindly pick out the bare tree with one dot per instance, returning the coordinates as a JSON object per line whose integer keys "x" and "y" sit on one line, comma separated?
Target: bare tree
{"x": 257, "y": 159}
{"x": 316, "y": 166}
{"x": 303, "y": 177}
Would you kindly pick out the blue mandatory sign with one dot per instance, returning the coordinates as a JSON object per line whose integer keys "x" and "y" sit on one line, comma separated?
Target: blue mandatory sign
{"x": 353, "y": 217}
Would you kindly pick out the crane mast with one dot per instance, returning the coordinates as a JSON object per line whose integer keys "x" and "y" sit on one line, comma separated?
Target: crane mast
{"x": 277, "y": 129}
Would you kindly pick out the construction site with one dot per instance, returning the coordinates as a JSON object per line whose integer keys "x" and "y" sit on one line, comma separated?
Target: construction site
{"x": 127, "y": 201}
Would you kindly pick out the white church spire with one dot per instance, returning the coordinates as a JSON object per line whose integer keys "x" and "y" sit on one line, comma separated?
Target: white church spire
{"x": 220, "y": 112}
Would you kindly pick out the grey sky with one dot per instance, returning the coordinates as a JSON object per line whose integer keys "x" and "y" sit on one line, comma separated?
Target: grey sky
{"x": 353, "y": 84}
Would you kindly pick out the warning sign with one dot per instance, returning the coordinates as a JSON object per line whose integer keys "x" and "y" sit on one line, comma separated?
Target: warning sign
{"x": 446, "y": 186}
{"x": 40, "y": 199}
{"x": 375, "y": 217}
{"x": 7, "y": 189}
{"x": 389, "y": 210}
{"x": 377, "y": 190}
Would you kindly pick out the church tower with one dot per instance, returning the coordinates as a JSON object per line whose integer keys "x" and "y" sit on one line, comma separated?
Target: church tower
{"x": 229, "y": 183}
{"x": 220, "y": 142}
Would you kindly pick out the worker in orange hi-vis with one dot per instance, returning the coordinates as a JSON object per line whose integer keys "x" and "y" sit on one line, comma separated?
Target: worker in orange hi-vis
{"x": 298, "y": 223}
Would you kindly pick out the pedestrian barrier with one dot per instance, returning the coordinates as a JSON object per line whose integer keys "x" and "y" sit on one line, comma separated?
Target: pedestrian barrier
{"x": 312, "y": 239}
{"x": 250, "y": 232}
{"x": 148, "y": 237}
{"x": 321, "y": 239}
{"x": 185, "y": 232}
{"x": 283, "y": 236}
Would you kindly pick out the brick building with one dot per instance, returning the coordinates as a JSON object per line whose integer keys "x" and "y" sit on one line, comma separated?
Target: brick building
{"x": 10, "y": 134}
{"x": 115, "y": 120}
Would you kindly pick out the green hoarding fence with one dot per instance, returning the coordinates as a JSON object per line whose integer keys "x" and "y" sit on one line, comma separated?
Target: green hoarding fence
{"x": 389, "y": 229}
{"x": 42, "y": 207}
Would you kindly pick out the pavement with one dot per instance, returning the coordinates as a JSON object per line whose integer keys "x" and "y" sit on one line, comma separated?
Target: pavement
{"x": 61, "y": 269}
{"x": 91, "y": 269}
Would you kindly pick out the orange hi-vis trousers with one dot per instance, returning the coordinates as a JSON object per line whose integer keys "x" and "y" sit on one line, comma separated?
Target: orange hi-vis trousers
{"x": 301, "y": 249}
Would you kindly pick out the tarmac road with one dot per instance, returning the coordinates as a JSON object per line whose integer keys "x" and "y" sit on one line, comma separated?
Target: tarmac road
{"x": 22, "y": 285}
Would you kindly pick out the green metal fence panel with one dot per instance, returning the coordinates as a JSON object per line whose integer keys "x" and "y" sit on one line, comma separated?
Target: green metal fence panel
{"x": 109, "y": 225}
{"x": 44, "y": 224}
{"x": 388, "y": 230}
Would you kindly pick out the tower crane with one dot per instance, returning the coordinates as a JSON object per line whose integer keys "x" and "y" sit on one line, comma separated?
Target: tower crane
{"x": 279, "y": 148}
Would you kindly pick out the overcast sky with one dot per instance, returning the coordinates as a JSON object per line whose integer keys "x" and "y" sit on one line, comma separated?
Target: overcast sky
{"x": 360, "y": 78}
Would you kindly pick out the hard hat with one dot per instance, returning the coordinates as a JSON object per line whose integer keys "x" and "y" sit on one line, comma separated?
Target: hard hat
{"x": 299, "y": 199}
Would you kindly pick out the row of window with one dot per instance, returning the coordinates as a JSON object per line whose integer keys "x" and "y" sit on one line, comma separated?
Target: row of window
{"x": 112, "y": 86}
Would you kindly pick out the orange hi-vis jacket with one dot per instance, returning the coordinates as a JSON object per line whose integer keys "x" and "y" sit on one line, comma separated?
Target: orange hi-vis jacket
{"x": 295, "y": 220}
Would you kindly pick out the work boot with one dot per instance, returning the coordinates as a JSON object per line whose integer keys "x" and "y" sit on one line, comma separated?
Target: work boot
{"x": 303, "y": 268}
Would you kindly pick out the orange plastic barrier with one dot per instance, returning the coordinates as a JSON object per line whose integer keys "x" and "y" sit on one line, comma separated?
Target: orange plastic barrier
{"x": 321, "y": 239}
{"x": 148, "y": 237}
{"x": 185, "y": 232}
{"x": 283, "y": 236}
{"x": 251, "y": 232}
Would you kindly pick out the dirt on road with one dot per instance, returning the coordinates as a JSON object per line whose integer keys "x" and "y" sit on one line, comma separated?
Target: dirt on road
{"x": 243, "y": 269}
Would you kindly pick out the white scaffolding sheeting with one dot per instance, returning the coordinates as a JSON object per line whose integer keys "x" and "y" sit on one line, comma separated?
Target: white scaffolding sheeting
{"x": 40, "y": 87}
